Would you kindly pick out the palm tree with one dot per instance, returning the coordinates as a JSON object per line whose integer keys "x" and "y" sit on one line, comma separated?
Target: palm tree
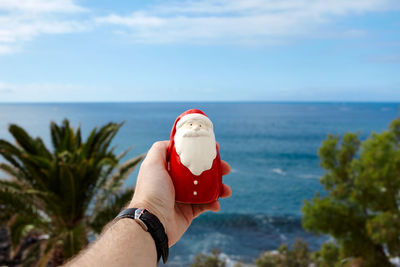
{"x": 54, "y": 201}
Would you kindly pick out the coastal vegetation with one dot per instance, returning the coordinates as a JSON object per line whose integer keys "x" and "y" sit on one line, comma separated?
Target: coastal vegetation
{"x": 359, "y": 208}
{"x": 213, "y": 260}
{"x": 54, "y": 201}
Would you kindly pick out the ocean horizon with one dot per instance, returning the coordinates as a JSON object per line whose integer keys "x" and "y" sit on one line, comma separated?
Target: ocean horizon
{"x": 204, "y": 102}
{"x": 271, "y": 147}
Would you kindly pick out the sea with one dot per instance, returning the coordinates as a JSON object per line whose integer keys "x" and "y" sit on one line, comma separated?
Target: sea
{"x": 271, "y": 147}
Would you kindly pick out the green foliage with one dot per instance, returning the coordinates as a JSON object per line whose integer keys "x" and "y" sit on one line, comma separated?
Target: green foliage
{"x": 298, "y": 256}
{"x": 361, "y": 207}
{"x": 213, "y": 260}
{"x": 65, "y": 194}
{"x": 328, "y": 256}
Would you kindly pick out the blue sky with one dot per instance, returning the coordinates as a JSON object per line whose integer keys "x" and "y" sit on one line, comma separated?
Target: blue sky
{"x": 204, "y": 50}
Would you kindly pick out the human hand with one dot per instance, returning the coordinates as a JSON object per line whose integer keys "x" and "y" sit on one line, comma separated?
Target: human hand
{"x": 155, "y": 192}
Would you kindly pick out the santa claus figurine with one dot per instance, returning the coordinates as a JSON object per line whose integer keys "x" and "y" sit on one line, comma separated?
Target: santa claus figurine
{"x": 194, "y": 161}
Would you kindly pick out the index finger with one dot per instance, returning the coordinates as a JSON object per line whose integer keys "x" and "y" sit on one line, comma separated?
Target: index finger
{"x": 226, "y": 168}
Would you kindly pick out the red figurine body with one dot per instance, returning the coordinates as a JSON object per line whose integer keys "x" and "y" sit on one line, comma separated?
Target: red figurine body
{"x": 194, "y": 161}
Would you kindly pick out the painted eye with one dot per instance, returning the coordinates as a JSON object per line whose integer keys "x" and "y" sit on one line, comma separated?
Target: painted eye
{"x": 191, "y": 124}
{"x": 199, "y": 125}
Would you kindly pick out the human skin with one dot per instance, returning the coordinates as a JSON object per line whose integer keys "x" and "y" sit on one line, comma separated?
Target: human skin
{"x": 125, "y": 243}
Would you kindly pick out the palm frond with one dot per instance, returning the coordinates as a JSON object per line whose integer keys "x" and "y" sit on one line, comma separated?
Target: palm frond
{"x": 44, "y": 152}
{"x": 123, "y": 172}
{"x": 124, "y": 153}
{"x": 110, "y": 208}
{"x": 32, "y": 255}
{"x": 12, "y": 154}
{"x": 114, "y": 183}
{"x": 19, "y": 227}
{"x": 47, "y": 252}
{"x": 56, "y": 191}
{"x": 75, "y": 240}
{"x": 13, "y": 172}
{"x": 11, "y": 186}
{"x": 12, "y": 203}
{"x": 24, "y": 140}
{"x": 55, "y": 133}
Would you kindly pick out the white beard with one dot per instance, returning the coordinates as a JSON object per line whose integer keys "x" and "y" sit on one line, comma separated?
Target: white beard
{"x": 196, "y": 149}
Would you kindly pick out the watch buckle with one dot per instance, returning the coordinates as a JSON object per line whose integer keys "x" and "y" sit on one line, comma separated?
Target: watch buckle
{"x": 139, "y": 213}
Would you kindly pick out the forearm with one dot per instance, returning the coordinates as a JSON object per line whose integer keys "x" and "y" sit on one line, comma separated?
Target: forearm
{"x": 124, "y": 243}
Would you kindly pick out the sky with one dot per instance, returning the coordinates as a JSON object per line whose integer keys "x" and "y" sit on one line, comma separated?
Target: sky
{"x": 204, "y": 50}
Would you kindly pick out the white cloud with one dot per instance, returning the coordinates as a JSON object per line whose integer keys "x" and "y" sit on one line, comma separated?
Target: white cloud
{"x": 137, "y": 19}
{"x": 23, "y": 20}
{"x": 5, "y": 49}
{"x": 238, "y": 21}
{"x": 187, "y": 21}
{"x": 40, "y": 6}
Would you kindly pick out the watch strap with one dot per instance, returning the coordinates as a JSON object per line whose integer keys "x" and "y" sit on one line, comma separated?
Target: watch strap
{"x": 150, "y": 223}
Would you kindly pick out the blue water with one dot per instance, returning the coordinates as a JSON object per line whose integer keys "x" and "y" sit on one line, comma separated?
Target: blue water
{"x": 271, "y": 147}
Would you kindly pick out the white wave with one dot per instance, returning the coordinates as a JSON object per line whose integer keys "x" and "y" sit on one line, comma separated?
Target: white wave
{"x": 278, "y": 171}
{"x": 309, "y": 176}
{"x": 232, "y": 263}
{"x": 395, "y": 261}
{"x": 282, "y": 237}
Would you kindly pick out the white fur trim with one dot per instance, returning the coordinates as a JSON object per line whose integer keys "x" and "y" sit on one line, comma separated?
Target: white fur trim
{"x": 194, "y": 116}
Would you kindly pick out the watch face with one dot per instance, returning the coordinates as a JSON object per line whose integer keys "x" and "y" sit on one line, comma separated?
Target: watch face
{"x": 139, "y": 212}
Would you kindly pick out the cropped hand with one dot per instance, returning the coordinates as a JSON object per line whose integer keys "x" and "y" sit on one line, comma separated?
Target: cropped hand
{"x": 155, "y": 192}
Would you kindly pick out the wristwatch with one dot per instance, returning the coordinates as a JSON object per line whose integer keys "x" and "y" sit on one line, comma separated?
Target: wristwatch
{"x": 150, "y": 223}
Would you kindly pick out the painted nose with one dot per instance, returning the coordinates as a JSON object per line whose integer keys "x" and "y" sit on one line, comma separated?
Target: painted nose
{"x": 196, "y": 127}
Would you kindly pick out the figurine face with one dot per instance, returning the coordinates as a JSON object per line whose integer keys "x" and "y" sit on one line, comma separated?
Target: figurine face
{"x": 195, "y": 144}
{"x": 196, "y": 128}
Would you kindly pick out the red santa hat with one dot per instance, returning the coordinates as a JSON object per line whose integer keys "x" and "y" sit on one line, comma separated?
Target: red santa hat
{"x": 185, "y": 116}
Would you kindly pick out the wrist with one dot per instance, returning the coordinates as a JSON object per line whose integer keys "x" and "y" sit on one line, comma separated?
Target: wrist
{"x": 151, "y": 224}
{"x": 150, "y": 207}
{"x": 133, "y": 227}
{"x": 123, "y": 243}
{"x": 126, "y": 228}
